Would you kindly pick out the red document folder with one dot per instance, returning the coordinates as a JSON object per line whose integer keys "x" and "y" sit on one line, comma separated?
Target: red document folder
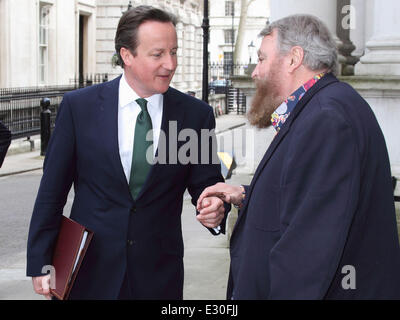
{"x": 72, "y": 243}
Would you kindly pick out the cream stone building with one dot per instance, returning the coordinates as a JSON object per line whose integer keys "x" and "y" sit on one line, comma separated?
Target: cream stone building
{"x": 40, "y": 41}
{"x": 225, "y": 17}
{"x": 52, "y": 42}
{"x": 188, "y": 76}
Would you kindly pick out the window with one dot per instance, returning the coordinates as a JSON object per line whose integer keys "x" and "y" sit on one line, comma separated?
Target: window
{"x": 43, "y": 43}
{"x": 228, "y": 61}
{"x": 229, "y": 36}
{"x": 229, "y": 8}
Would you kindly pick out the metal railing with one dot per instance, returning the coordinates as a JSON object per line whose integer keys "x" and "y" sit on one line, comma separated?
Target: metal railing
{"x": 236, "y": 101}
{"x": 220, "y": 75}
{"x": 226, "y": 70}
{"x": 20, "y": 107}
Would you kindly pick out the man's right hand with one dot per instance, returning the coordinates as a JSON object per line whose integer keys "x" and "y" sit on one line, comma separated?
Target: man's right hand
{"x": 41, "y": 285}
{"x": 226, "y": 192}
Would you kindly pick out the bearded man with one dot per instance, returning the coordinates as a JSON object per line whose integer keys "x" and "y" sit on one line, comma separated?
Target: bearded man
{"x": 318, "y": 219}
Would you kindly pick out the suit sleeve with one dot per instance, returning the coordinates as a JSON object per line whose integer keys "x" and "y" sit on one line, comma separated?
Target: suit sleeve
{"x": 317, "y": 204}
{"x": 5, "y": 140}
{"x": 58, "y": 174}
{"x": 208, "y": 170}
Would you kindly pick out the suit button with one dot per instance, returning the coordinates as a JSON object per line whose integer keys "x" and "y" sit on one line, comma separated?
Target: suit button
{"x": 130, "y": 242}
{"x": 133, "y": 210}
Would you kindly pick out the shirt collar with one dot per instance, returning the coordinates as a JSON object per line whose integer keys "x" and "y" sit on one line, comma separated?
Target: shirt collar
{"x": 127, "y": 95}
{"x": 281, "y": 113}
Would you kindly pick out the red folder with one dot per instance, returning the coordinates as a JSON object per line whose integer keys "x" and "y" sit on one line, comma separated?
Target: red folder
{"x": 72, "y": 243}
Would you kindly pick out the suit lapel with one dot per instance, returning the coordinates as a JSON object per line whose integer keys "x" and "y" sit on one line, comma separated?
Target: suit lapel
{"x": 173, "y": 116}
{"x": 108, "y": 124}
{"x": 323, "y": 82}
{"x": 108, "y": 121}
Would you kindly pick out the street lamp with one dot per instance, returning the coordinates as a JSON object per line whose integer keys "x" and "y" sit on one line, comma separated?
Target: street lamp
{"x": 129, "y": 7}
{"x": 206, "y": 28}
{"x": 251, "y": 47}
{"x": 233, "y": 37}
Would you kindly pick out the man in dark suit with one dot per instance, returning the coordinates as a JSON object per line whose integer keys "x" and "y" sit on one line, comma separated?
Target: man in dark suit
{"x": 5, "y": 140}
{"x": 120, "y": 144}
{"x": 318, "y": 219}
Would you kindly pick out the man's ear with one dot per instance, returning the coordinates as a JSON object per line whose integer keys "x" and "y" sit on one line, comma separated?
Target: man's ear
{"x": 126, "y": 56}
{"x": 296, "y": 57}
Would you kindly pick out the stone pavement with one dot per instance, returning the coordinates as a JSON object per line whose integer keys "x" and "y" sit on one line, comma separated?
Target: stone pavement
{"x": 206, "y": 256}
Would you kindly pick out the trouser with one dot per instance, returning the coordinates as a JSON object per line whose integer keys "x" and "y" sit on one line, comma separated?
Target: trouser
{"x": 125, "y": 291}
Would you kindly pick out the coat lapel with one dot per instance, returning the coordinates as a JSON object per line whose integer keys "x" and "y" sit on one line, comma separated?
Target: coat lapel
{"x": 108, "y": 120}
{"x": 323, "y": 82}
{"x": 108, "y": 124}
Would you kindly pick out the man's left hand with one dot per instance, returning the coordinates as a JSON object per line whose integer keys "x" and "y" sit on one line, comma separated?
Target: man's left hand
{"x": 212, "y": 212}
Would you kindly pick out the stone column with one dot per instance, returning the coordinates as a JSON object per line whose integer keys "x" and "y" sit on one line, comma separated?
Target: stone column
{"x": 5, "y": 54}
{"x": 177, "y": 79}
{"x": 358, "y": 27}
{"x": 326, "y": 10}
{"x": 383, "y": 48}
{"x": 323, "y": 9}
{"x": 345, "y": 22}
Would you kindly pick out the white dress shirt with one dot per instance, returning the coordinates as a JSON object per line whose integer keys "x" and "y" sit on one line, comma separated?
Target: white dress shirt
{"x": 128, "y": 110}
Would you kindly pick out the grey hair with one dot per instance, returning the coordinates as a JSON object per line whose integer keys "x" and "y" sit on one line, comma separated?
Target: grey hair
{"x": 309, "y": 33}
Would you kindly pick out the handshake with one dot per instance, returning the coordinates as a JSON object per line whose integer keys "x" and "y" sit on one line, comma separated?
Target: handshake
{"x": 211, "y": 203}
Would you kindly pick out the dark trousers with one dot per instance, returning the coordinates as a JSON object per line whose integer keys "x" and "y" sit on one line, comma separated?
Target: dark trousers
{"x": 125, "y": 291}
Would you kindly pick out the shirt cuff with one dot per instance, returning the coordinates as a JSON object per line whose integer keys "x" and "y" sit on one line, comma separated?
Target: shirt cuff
{"x": 217, "y": 229}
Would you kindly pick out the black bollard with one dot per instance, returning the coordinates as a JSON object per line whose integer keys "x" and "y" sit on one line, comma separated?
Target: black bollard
{"x": 44, "y": 125}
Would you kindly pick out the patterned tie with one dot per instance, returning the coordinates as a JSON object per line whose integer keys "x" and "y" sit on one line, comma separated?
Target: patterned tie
{"x": 140, "y": 166}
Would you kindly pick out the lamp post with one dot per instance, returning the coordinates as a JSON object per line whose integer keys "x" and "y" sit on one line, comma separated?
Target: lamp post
{"x": 129, "y": 7}
{"x": 206, "y": 28}
{"x": 233, "y": 37}
{"x": 251, "y": 47}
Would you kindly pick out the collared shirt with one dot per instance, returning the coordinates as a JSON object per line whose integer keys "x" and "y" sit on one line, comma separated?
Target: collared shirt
{"x": 128, "y": 110}
{"x": 281, "y": 113}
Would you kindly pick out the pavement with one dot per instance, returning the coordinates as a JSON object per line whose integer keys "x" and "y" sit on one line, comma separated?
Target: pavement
{"x": 206, "y": 258}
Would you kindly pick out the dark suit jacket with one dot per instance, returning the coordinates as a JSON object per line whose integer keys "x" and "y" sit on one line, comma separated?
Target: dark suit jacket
{"x": 321, "y": 200}
{"x": 142, "y": 237}
{"x": 5, "y": 140}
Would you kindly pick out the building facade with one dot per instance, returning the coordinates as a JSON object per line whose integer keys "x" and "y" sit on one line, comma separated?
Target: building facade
{"x": 53, "y": 42}
{"x": 190, "y": 38}
{"x": 46, "y": 42}
{"x": 224, "y": 27}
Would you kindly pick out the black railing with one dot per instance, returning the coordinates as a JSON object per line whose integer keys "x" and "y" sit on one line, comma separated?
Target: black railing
{"x": 20, "y": 107}
{"x": 88, "y": 80}
{"x": 220, "y": 75}
{"x": 394, "y": 181}
{"x": 226, "y": 70}
{"x": 236, "y": 101}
